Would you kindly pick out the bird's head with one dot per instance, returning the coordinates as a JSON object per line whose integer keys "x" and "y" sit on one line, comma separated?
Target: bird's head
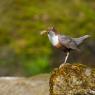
{"x": 50, "y": 31}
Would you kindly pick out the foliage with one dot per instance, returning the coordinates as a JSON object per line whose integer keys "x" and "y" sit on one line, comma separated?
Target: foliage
{"x": 22, "y": 20}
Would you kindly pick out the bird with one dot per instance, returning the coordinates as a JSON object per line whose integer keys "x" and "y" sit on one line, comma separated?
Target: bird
{"x": 64, "y": 42}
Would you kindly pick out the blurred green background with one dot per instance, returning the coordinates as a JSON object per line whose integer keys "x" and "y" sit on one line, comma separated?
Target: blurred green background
{"x": 23, "y": 52}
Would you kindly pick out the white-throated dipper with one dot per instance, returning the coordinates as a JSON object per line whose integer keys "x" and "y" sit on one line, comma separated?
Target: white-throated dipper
{"x": 64, "y": 42}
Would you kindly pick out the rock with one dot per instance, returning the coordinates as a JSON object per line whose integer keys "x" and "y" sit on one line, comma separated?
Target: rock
{"x": 37, "y": 85}
{"x": 73, "y": 79}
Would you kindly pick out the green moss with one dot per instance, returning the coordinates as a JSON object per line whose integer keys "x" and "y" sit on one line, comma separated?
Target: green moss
{"x": 76, "y": 79}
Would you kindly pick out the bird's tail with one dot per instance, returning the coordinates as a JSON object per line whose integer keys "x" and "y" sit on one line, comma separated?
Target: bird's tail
{"x": 81, "y": 39}
{"x": 86, "y": 36}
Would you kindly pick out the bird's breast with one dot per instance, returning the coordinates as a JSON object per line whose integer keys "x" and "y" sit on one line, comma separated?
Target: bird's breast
{"x": 58, "y": 45}
{"x": 54, "y": 40}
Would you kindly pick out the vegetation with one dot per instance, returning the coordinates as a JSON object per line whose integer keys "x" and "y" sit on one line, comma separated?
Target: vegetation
{"x": 22, "y": 50}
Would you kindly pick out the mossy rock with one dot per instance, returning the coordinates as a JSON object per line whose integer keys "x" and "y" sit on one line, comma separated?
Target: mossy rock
{"x": 72, "y": 79}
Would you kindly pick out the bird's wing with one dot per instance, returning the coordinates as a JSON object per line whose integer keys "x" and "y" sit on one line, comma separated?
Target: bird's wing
{"x": 68, "y": 42}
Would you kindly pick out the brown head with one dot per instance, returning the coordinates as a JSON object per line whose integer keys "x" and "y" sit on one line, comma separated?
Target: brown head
{"x": 50, "y": 29}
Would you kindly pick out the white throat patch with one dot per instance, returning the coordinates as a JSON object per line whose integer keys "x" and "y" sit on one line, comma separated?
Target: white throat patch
{"x": 53, "y": 39}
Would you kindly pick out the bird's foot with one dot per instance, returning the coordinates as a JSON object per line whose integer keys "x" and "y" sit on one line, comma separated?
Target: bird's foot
{"x": 62, "y": 65}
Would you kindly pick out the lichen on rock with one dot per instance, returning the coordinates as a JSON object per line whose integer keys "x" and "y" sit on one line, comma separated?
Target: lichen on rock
{"x": 72, "y": 79}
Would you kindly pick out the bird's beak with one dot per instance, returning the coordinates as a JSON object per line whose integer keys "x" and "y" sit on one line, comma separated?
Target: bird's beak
{"x": 43, "y": 32}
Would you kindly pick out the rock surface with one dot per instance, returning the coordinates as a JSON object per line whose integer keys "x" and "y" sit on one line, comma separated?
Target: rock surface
{"x": 69, "y": 79}
{"x": 73, "y": 79}
{"x": 37, "y": 85}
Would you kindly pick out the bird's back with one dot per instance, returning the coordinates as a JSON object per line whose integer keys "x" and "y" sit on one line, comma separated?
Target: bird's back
{"x": 68, "y": 42}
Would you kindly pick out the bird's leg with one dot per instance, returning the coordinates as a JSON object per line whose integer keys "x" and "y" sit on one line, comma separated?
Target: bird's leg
{"x": 65, "y": 60}
{"x": 66, "y": 57}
